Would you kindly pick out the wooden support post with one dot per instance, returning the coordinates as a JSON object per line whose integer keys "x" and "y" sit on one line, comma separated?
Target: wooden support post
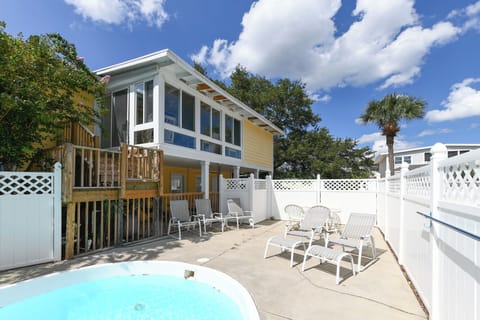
{"x": 68, "y": 175}
{"x": 123, "y": 170}
{"x": 70, "y": 231}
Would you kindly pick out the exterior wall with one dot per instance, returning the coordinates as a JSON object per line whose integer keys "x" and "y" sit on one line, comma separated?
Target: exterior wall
{"x": 190, "y": 175}
{"x": 258, "y": 145}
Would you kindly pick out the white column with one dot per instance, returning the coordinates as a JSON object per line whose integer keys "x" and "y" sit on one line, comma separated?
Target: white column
{"x": 257, "y": 173}
{"x": 222, "y": 194}
{"x": 269, "y": 199}
{"x": 236, "y": 172}
{"x": 205, "y": 178}
{"x": 159, "y": 85}
{"x": 439, "y": 152}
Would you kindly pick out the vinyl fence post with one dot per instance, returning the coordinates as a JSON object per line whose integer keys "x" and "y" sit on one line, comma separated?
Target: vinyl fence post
{"x": 57, "y": 212}
{"x": 439, "y": 152}
{"x": 401, "y": 255}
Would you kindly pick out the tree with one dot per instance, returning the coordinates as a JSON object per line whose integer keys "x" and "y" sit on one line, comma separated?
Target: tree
{"x": 388, "y": 112}
{"x": 306, "y": 149}
{"x": 39, "y": 78}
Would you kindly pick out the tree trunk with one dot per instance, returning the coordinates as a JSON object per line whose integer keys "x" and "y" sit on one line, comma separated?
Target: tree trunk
{"x": 391, "y": 163}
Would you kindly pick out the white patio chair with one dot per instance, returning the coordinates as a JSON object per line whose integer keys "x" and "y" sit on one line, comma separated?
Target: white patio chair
{"x": 294, "y": 213}
{"x": 357, "y": 233}
{"x": 312, "y": 223}
{"x": 235, "y": 212}
{"x": 205, "y": 214}
{"x": 180, "y": 217}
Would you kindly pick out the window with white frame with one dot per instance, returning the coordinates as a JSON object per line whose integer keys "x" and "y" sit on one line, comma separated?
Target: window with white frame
{"x": 144, "y": 102}
{"x": 179, "y": 108}
{"x": 209, "y": 121}
{"x": 232, "y": 130}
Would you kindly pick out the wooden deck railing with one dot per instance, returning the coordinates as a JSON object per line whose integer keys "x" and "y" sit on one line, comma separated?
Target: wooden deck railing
{"x": 77, "y": 134}
{"x": 115, "y": 197}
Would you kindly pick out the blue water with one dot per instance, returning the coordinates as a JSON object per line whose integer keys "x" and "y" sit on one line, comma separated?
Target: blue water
{"x": 127, "y": 297}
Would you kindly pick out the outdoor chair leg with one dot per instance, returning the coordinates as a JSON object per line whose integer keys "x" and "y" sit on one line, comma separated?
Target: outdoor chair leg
{"x": 360, "y": 249}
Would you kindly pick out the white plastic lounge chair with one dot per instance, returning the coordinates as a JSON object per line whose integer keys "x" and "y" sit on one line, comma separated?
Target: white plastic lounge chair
{"x": 180, "y": 217}
{"x": 312, "y": 223}
{"x": 327, "y": 254}
{"x": 357, "y": 233}
{"x": 235, "y": 212}
{"x": 294, "y": 213}
{"x": 284, "y": 244}
{"x": 205, "y": 214}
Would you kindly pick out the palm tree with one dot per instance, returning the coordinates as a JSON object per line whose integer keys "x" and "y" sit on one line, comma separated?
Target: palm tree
{"x": 388, "y": 112}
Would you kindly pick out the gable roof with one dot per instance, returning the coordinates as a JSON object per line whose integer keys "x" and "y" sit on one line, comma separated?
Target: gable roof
{"x": 194, "y": 79}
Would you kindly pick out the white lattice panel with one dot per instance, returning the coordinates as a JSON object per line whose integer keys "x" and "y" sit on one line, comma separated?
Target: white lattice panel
{"x": 260, "y": 185}
{"x": 349, "y": 185}
{"x": 461, "y": 182}
{"x": 236, "y": 184}
{"x": 16, "y": 183}
{"x": 294, "y": 185}
{"x": 418, "y": 183}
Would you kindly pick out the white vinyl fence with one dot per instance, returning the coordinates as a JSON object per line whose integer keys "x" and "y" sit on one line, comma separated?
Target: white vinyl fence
{"x": 30, "y": 218}
{"x": 267, "y": 198}
{"x": 431, "y": 218}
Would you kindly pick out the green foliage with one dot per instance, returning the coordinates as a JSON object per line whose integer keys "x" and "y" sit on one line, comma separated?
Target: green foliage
{"x": 388, "y": 112}
{"x": 305, "y": 150}
{"x": 39, "y": 77}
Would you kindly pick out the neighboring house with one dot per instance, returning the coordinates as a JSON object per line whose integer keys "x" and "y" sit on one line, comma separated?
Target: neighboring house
{"x": 160, "y": 101}
{"x": 418, "y": 157}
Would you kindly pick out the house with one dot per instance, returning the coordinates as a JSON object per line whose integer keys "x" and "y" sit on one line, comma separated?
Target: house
{"x": 160, "y": 101}
{"x": 418, "y": 157}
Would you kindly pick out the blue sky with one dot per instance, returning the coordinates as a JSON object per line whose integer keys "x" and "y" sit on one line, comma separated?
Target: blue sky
{"x": 347, "y": 52}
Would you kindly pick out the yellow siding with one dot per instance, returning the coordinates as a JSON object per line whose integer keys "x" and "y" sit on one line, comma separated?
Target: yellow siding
{"x": 257, "y": 145}
{"x": 189, "y": 175}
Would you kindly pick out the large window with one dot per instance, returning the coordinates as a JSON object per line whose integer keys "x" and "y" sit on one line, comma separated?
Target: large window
{"x": 144, "y": 101}
{"x": 115, "y": 125}
{"x": 209, "y": 121}
{"x": 179, "y": 139}
{"x": 233, "y": 131}
{"x": 179, "y": 108}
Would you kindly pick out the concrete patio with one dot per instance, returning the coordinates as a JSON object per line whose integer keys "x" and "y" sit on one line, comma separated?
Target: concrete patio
{"x": 280, "y": 292}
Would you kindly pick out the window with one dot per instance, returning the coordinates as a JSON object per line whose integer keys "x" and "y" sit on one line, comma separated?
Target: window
{"x": 398, "y": 160}
{"x": 188, "y": 111}
{"x": 181, "y": 117}
{"x": 210, "y": 147}
{"x": 232, "y": 131}
{"x": 209, "y": 121}
{"x": 143, "y": 136}
{"x": 452, "y": 153}
{"x": 177, "y": 183}
{"x": 407, "y": 159}
{"x": 179, "y": 139}
{"x": 115, "y": 122}
{"x": 233, "y": 153}
{"x": 427, "y": 156}
{"x": 464, "y": 151}
{"x": 144, "y": 101}
{"x": 172, "y": 102}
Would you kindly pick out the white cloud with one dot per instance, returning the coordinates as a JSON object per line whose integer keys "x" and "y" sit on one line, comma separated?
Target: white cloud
{"x": 462, "y": 102}
{"x": 434, "y": 132}
{"x": 325, "y": 98}
{"x": 471, "y": 14}
{"x": 297, "y": 39}
{"x": 379, "y": 144}
{"x": 121, "y": 11}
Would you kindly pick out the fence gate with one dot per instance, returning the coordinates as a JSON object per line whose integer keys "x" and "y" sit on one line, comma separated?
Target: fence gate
{"x": 30, "y": 218}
